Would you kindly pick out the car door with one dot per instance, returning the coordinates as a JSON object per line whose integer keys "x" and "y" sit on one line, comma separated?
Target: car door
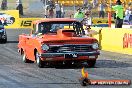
{"x": 30, "y": 45}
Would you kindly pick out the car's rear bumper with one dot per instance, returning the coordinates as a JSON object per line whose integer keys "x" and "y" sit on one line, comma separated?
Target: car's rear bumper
{"x": 50, "y": 55}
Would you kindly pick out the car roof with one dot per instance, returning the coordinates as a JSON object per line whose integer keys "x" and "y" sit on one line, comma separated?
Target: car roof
{"x": 54, "y": 20}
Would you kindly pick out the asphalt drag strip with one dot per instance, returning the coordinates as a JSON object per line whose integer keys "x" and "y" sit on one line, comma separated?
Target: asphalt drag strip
{"x": 16, "y": 74}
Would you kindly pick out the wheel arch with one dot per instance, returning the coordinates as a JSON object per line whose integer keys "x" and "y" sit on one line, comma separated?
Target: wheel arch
{"x": 21, "y": 51}
{"x": 35, "y": 50}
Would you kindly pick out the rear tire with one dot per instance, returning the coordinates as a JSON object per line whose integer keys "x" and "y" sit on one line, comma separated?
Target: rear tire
{"x": 24, "y": 59}
{"x": 39, "y": 62}
{"x": 4, "y": 40}
{"x": 91, "y": 63}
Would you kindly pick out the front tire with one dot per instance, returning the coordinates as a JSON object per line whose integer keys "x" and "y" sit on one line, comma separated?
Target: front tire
{"x": 91, "y": 63}
{"x": 39, "y": 61}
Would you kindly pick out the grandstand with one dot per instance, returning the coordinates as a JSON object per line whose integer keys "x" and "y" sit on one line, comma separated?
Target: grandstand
{"x": 80, "y": 2}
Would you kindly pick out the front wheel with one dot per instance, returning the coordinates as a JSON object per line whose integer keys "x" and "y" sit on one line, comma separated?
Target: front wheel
{"x": 91, "y": 63}
{"x": 38, "y": 60}
{"x": 4, "y": 40}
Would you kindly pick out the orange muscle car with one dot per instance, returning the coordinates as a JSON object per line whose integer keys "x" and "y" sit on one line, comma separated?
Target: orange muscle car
{"x": 58, "y": 40}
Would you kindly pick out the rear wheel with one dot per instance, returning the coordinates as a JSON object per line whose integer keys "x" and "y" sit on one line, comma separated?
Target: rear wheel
{"x": 91, "y": 63}
{"x": 39, "y": 62}
{"x": 5, "y": 40}
{"x": 24, "y": 59}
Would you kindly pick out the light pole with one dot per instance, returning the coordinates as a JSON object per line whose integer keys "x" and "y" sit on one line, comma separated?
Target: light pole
{"x": 109, "y": 14}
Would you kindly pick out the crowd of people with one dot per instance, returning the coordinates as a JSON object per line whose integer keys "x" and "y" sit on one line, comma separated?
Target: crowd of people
{"x": 56, "y": 9}
{"x": 19, "y": 6}
{"x": 53, "y": 8}
{"x": 4, "y": 5}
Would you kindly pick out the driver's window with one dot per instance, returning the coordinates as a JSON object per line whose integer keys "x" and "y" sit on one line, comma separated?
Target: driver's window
{"x": 43, "y": 27}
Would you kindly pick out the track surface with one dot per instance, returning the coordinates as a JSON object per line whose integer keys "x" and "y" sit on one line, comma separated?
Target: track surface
{"x": 16, "y": 74}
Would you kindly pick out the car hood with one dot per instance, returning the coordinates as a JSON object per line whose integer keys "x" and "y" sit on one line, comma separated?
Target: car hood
{"x": 60, "y": 39}
{"x": 66, "y": 36}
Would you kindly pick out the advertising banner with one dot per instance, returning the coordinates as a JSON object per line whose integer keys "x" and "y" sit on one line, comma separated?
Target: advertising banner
{"x": 11, "y": 17}
{"x": 115, "y": 40}
{"x": 27, "y": 22}
{"x": 14, "y": 21}
{"x": 101, "y": 21}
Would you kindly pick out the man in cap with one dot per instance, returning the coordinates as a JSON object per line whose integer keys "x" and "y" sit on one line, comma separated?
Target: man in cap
{"x": 19, "y": 6}
{"x": 118, "y": 8}
{"x": 4, "y": 5}
{"x": 79, "y": 15}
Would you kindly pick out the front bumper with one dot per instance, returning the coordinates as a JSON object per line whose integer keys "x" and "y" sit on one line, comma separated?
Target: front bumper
{"x": 76, "y": 54}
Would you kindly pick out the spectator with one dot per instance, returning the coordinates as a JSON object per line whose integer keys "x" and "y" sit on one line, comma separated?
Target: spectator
{"x": 119, "y": 14}
{"x": 50, "y": 8}
{"x": 19, "y": 7}
{"x": 85, "y": 3}
{"x": 51, "y": 12}
{"x": 89, "y": 6}
{"x": 43, "y": 1}
{"x": 95, "y": 2}
{"x": 87, "y": 21}
{"x": 58, "y": 10}
{"x": 128, "y": 11}
{"x": 79, "y": 14}
{"x": 62, "y": 11}
{"x": 101, "y": 10}
{"x": 4, "y": 5}
{"x": 51, "y": 3}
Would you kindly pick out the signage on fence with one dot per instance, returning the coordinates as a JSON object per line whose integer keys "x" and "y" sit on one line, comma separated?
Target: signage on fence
{"x": 115, "y": 40}
{"x": 11, "y": 17}
{"x": 27, "y": 22}
{"x": 127, "y": 40}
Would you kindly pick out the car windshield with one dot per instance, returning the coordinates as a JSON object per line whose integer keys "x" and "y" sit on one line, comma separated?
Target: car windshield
{"x": 52, "y": 27}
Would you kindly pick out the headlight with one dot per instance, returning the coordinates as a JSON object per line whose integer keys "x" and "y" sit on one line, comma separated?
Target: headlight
{"x": 95, "y": 46}
{"x": 45, "y": 47}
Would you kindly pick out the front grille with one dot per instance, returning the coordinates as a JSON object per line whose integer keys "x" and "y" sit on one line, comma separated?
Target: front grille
{"x": 70, "y": 48}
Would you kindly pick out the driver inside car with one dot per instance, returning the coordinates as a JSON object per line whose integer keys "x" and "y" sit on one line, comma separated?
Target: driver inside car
{"x": 56, "y": 27}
